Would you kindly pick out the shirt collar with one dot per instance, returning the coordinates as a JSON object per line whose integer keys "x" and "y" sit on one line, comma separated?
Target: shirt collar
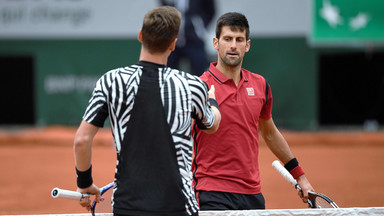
{"x": 148, "y": 63}
{"x": 221, "y": 77}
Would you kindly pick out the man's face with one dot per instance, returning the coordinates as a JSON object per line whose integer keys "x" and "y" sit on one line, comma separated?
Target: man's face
{"x": 231, "y": 46}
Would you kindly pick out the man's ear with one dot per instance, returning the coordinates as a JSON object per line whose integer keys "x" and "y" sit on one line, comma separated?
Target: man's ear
{"x": 248, "y": 46}
{"x": 172, "y": 46}
{"x": 140, "y": 36}
{"x": 216, "y": 43}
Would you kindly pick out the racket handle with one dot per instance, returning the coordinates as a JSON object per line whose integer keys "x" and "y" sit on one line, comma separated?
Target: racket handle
{"x": 57, "y": 192}
{"x": 286, "y": 175}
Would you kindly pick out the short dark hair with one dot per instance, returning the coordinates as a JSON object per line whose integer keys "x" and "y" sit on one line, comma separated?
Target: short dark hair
{"x": 235, "y": 21}
{"x": 160, "y": 27}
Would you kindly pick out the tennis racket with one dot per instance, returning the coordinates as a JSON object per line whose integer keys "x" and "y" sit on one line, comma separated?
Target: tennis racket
{"x": 315, "y": 200}
{"x": 105, "y": 192}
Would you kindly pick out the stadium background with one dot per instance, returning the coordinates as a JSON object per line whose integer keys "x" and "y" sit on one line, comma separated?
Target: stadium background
{"x": 328, "y": 93}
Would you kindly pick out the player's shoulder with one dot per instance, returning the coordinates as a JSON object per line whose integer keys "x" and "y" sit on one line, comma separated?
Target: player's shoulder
{"x": 113, "y": 74}
{"x": 124, "y": 70}
{"x": 252, "y": 76}
{"x": 171, "y": 73}
{"x": 208, "y": 78}
{"x": 185, "y": 75}
{"x": 176, "y": 72}
{"x": 205, "y": 76}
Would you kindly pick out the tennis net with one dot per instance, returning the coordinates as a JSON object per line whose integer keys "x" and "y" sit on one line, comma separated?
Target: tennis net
{"x": 299, "y": 212}
{"x": 371, "y": 211}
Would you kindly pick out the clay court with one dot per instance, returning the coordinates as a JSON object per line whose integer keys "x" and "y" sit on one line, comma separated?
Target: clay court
{"x": 346, "y": 166}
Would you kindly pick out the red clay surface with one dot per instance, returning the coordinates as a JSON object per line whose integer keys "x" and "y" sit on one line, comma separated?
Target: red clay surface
{"x": 346, "y": 166}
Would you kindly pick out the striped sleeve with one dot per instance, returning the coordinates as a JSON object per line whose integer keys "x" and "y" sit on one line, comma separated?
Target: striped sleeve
{"x": 201, "y": 111}
{"x": 97, "y": 110}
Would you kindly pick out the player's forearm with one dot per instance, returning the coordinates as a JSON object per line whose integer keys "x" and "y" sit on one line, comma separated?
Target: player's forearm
{"x": 279, "y": 146}
{"x": 82, "y": 146}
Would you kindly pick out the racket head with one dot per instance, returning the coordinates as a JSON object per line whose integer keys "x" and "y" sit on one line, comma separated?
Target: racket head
{"x": 318, "y": 200}
{"x": 105, "y": 205}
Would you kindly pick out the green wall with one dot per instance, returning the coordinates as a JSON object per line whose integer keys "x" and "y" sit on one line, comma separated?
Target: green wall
{"x": 69, "y": 61}
{"x": 288, "y": 64}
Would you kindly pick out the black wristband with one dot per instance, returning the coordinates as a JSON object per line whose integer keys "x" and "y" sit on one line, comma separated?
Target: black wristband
{"x": 213, "y": 102}
{"x": 84, "y": 179}
{"x": 291, "y": 164}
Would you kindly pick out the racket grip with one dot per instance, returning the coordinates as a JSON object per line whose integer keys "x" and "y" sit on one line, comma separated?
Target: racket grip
{"x": 284, "y": 172}
{"x": 57, "y": 192}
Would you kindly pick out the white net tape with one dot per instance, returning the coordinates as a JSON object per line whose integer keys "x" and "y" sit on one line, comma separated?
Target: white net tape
{"x": 298, "y": 212}
{"x": 375, "y": 211}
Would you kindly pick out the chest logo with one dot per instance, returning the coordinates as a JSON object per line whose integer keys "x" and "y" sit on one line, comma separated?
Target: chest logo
{"x": 250, "y": 92}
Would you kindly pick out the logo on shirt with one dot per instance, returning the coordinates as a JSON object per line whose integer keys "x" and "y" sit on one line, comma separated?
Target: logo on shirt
{"x": 250, "y": 92}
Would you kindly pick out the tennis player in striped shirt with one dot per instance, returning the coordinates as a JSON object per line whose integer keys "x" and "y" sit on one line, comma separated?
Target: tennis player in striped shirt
{"x": 151, "y": 107}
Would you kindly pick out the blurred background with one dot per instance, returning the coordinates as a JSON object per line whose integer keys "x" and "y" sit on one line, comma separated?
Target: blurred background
{"x": 324, "y": 59}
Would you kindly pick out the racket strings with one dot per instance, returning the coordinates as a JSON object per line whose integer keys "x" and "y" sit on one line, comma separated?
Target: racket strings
{"x": 104, "y": 206}
{"x": 320, "y": 202}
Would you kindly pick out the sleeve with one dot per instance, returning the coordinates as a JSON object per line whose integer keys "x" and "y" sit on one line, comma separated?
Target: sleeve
{"x": 97, "y": 110}
{"x": 266, "y": 111}
{"x": 201, "y": 111}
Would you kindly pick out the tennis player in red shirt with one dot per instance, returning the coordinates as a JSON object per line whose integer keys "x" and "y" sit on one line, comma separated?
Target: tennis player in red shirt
{"x": 225, "y": 166}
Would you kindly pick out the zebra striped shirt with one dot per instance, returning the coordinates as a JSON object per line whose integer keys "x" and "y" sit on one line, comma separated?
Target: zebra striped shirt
{"x": 151, "y": 108}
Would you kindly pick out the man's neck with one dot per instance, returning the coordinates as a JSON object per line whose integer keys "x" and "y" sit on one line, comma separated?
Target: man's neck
{"x": 230, "y": 72}
{"x": 158, "y": 58}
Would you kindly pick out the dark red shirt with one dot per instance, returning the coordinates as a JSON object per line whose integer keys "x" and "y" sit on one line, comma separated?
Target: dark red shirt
{"x": 227, "y": 160}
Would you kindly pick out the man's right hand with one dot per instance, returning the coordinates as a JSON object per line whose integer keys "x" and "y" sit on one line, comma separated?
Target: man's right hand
{"x": 86, "y": 202}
